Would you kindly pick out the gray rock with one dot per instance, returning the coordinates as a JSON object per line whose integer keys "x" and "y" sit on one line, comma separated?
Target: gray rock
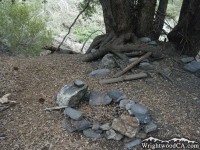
{"x": 70, "y": 95}
{"x": 96, "y": 126}
{"x": 107, "y": 62}
{"x": 133, "y": 143}
{"x": 145, "y": 39}
{"x": 128, "y": 106}
{"x": 86, "y": 97}
{"x": 197, "y": 73}
{"x": 145, "y": 60}
{"x": 124, "y": 102}
{"x": 143, "y": 118}
{"x": 93, "y": 50}
{"x": 73, "y": 114}
{"x": 81, "y": 125}
{"x": 192, "y": 66}
{"x": 79, "y": 83}
{"x": 187, "y": 59}
{"x": 99, "y": 72}
{"x": 99, "y": 98}
{"x": 67, "y": 125}
{"x": 153, "y": 43}
{"x": 138, "y": 109}
{"x": 95, "y": 64}
{"x": 65, "y": 51}
{"x": 198, "y": 57}
{"x": 133, "y": 59}
{"x": 145, "y": 66}
{"x": 45, "y": 53}
{"x": 167, "y": 71}
{"x": 124, "y": 97}
{"x": 141, "y": 135}
{"x": 105, "y": 126}
{"x": 112, "y": 135}
{"x": 126, "y": 125}
{"x": 92, "y": 134}
{"x": 115, "y": 94}
{"x": 150, "y": 127}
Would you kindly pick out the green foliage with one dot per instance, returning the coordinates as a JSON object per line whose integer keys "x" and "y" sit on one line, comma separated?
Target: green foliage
{"x": 91, "y": 9}
{"x": 24, "y": 31}
{"x": 82, "y": 33}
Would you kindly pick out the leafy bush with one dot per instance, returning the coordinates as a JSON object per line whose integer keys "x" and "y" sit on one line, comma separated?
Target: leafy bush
{"x": 22, "y": 29}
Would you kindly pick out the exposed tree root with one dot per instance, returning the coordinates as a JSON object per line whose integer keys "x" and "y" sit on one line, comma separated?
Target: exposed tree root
{"x": 113, "y": 43}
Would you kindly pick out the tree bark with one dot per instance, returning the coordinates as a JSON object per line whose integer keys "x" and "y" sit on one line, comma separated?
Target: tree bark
{"x": 159, "y": 20}
{"x": 186, "y": 33}
{"x": 124, "y": 19}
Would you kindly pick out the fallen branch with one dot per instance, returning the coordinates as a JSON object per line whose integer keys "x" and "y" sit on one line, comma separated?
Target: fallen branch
{"x": 56, "y": 108}
{"x": 124, "y": 78}
{"x": 73, "y": 24}
{"x": 132, "y": 64}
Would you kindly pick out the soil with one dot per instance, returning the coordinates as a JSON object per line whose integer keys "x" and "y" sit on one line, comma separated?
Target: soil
{"x": 35, "y": 81}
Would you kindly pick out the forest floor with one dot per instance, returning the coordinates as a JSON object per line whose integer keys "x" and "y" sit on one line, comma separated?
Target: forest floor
{"x": 173, "y": 107}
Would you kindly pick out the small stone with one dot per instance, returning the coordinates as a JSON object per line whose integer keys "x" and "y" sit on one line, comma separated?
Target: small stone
{"x": 145, "y": 39}
{"x": 99, "y": 98}
{"x": 67, "y": 125}
{"x": 133, "y": 59}
{"x": 128, "y": 106}
{"x": 124, "y": 102}
{"x": 115, "y": 94}
{"x": 65, "y": 51}
{"x": 154, "y": 43}
{"x": 73, "y": 114}
{"x": 167, "y": 71}
{"x": 81, "y": 125}
{"x": 112, "y": 135}
{"x": 93, "y": 50}
{"x": 150, "y": 127}
{"x": 197, "y": 73}
{"x": 99, "y": 72}
{"x": 124, "y": 97}
{"x": 145, "y": 60}
{"x": 96, "y": 126}
{"x": 138, "y": 109}
{"x": 107, "y": 62}
{"x": 45, "y": 53}
{"x": 187, "y": 59}
{"x": 141, "y": 135}
{"x": 92, "y": 134}
{"x": 105, "y": 126}
{"x": 143, "y": 118}
{"x": 79, "y": 83}
{"x": 133, "y": 143}
{"x": 145, "y": 66}
{"x": 126, "y": 125}
{"x": 192, "y": 66}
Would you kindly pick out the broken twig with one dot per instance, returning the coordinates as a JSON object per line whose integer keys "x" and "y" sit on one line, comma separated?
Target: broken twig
{"x": 56, "y": 108}
{"x": 124, "y": 78}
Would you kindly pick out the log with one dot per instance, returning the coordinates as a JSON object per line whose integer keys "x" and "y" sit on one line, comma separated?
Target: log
{"x": 131, "y": 65}
{"x": 124, "y": 78}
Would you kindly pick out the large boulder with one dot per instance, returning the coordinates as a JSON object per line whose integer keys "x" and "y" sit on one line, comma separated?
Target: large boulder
{"x": 71, "y": 94}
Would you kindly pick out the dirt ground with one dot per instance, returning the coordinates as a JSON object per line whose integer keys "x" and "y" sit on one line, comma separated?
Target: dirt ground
{"x": 35, "y": 81}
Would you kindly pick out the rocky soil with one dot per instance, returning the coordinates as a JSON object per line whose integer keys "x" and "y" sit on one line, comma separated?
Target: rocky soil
{"x": 35, "y": 81}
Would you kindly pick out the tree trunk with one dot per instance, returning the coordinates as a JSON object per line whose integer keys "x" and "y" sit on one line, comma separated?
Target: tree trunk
{"x": 124, "y": 20}
{"x": 186, "y": 33}
{"x": 159, "y": 20}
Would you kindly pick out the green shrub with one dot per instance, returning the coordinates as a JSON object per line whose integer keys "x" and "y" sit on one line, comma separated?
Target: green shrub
{"x": 23, "y": 30}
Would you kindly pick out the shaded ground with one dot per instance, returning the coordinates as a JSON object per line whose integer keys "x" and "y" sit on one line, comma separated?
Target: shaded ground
{"x": 173, "y": 107}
